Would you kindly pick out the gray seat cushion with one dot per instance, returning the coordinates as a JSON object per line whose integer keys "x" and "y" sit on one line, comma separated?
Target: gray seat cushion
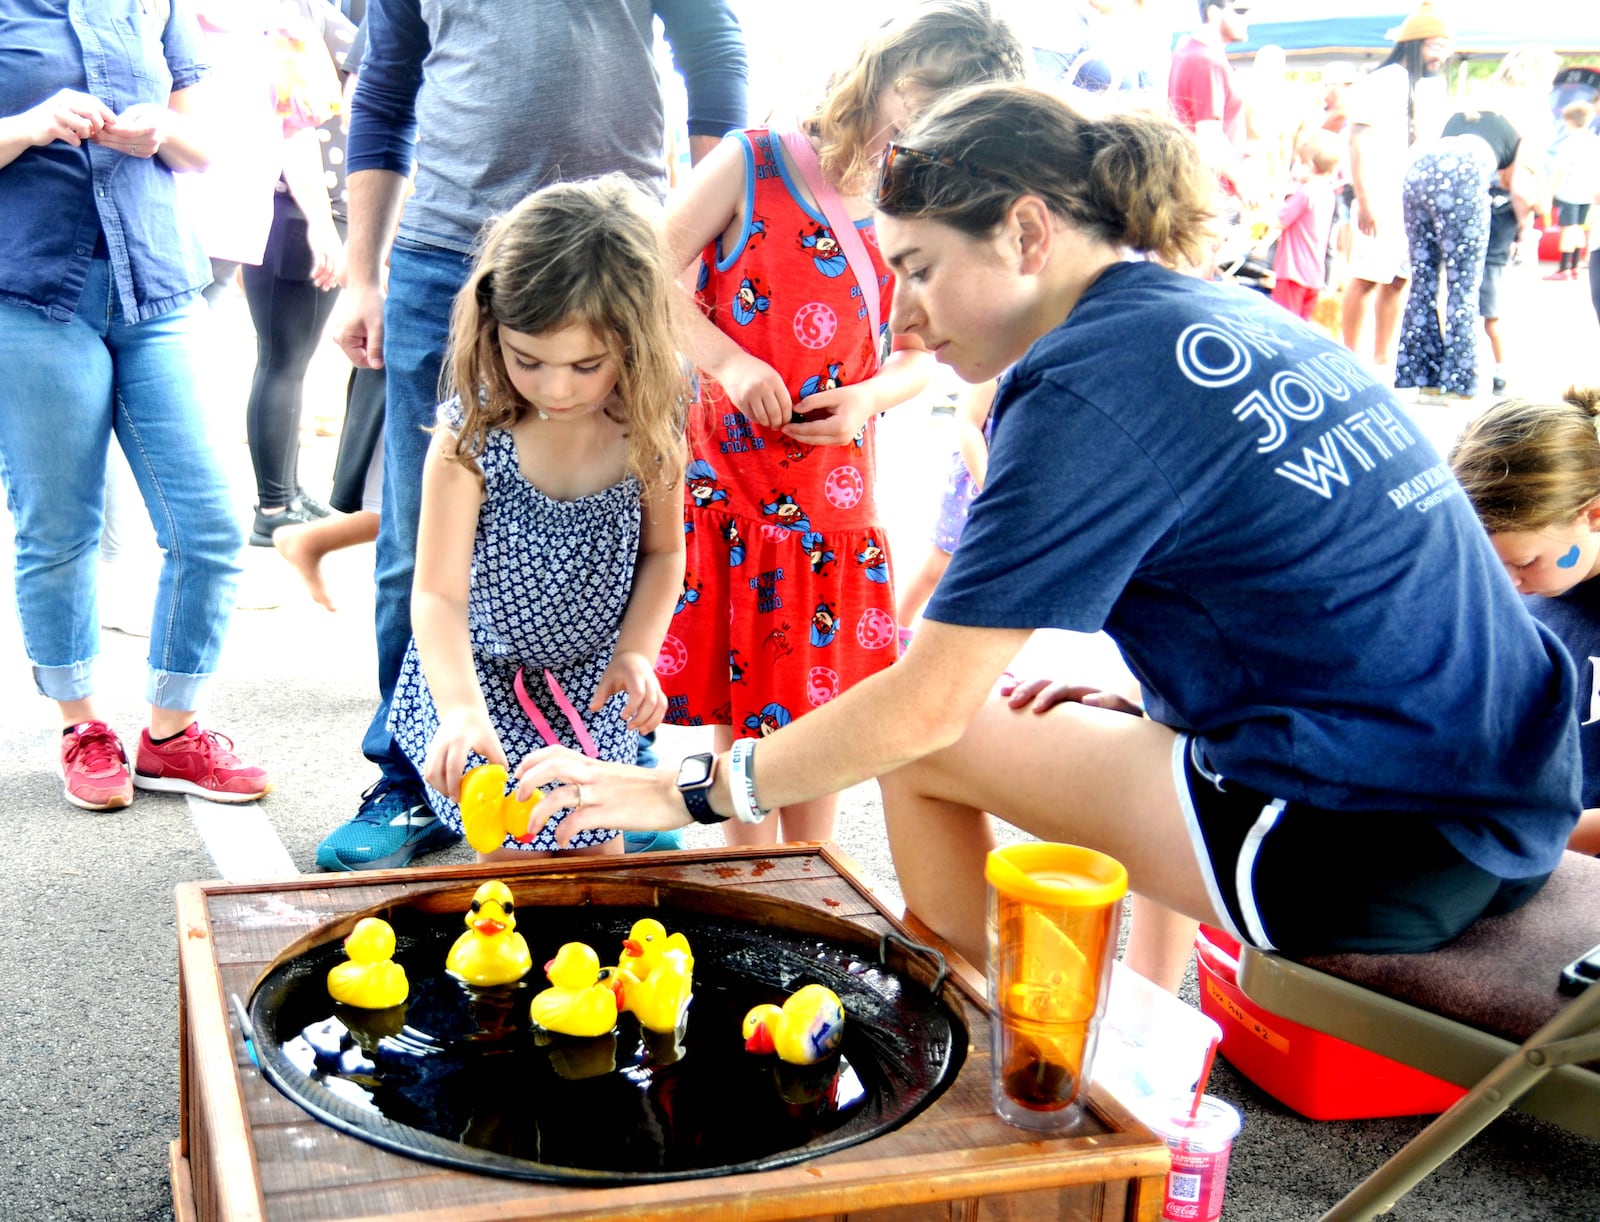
{"x": 1500, "y": 976}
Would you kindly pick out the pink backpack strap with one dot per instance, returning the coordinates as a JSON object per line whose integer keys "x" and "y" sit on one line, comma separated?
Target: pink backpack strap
{"x": 568, "y": 710}
{"x": 838, "y": 217}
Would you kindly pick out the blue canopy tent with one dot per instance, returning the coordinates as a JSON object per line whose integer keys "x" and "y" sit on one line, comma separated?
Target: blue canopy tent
{"x": 1568, "y": 29}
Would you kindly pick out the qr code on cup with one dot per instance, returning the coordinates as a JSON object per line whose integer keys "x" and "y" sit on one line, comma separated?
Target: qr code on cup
{"x": 1183, "y": 1187}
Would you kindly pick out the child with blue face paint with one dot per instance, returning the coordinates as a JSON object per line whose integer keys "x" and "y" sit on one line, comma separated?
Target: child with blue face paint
{"x": 1532, "y": 471}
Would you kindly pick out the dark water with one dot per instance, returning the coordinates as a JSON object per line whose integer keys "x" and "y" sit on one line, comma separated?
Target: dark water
{"x": 460, "y": 1074}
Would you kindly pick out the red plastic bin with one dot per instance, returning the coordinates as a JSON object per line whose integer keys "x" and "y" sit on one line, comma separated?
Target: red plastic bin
{"x": 1319, "y": 1076}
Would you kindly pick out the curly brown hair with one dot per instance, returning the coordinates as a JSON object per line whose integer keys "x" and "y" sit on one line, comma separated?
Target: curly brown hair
{"x": 1527, "y": 465}
{"x": 586, "y": 253}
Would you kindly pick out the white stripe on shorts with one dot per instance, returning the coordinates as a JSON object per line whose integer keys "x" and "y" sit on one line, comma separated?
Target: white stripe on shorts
{"x": 1245, "y": 868}
{"x": 1180, "y": 779}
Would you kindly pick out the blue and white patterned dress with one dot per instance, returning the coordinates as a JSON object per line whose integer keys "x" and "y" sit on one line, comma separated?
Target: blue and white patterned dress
{"x": 550, "y": 581}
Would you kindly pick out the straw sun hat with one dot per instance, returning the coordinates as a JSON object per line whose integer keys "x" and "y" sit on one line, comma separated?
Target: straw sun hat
{"x": 1424, "y": 23}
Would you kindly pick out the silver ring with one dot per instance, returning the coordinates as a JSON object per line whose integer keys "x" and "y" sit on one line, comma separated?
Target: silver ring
{"x": 582, "y": 798}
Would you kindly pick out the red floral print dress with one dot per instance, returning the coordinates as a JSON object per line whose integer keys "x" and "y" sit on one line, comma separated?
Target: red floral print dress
{"x": 787, "y": 599}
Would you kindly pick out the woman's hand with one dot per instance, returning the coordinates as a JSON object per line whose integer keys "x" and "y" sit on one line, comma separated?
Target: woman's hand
{"x": 602, "y": 794}
{"x": 66, "y": 115}
{"x": 756, "y": 390}
{"x": 833, "y": 417}
{"x": 138, "y": 131}
{"x": 460, "y": 733}
{"x": 327, "y": 254}
{"x": 1044, "y": 695}
{"x": 635, "y": 674}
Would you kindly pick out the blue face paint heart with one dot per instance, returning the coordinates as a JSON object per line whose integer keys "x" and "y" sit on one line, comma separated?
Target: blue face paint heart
{"x": 1569, "y": 560}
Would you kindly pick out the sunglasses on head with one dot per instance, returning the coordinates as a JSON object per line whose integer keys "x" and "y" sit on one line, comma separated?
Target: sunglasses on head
{"x": 904, "y": 178}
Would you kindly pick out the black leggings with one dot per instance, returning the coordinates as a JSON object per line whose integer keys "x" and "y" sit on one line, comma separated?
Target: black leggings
{"x": 289, "y": 313}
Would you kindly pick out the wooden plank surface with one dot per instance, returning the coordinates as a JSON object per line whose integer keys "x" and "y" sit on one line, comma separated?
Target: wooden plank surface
{"x": 957, "y": 1151}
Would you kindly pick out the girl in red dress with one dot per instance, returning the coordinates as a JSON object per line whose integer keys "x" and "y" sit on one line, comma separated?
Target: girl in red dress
{"x": 787, "y": 599}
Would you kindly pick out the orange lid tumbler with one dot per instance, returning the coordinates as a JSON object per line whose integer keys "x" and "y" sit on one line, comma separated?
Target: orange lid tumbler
{"x": 1054, "y": 914}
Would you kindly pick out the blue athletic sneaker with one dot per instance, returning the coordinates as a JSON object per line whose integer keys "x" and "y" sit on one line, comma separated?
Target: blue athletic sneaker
{"x": 647, "y": 751}
{"x": 652, "y": 842}
{"x": 393, "y": 825}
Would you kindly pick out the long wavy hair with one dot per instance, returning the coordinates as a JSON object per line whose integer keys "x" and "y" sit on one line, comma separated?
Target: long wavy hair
{"x": 935, "y": 46}
{"x": 579, "y": 253}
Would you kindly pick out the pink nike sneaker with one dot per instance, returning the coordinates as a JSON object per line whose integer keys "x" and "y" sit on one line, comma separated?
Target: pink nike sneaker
{"x": 95, "y": 767}
{"x": 200, "y": 762}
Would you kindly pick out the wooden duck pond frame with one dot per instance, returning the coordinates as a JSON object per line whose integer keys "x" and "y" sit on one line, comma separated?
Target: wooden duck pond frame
{"x": 246, "y": 1151}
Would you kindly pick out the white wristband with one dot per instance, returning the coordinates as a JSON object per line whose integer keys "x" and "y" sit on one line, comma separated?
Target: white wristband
{"x": 742, "y": 783}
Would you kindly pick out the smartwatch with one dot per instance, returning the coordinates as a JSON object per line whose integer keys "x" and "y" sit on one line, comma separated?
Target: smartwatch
{"x": 695, "y": 775}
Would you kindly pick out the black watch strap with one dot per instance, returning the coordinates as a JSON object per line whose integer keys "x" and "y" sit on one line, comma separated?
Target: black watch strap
{"x": 696, "y": 793}
{"x": 699, "y": 803}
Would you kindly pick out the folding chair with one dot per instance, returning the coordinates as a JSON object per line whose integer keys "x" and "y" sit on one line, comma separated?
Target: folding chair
{"x": 1483, "y": 1012}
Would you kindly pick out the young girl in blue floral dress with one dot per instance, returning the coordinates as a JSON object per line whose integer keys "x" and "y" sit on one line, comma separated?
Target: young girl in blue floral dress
{"x": 550, "y": 551}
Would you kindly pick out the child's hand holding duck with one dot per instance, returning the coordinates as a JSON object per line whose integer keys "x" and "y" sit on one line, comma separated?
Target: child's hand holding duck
{"x": 489, "y": 814}
{"x": 463, "y": 732}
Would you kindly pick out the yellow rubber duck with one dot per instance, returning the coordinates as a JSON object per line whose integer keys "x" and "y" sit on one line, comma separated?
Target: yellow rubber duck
{"x": 489, "y": 814}
{"x": 807, "y": 1029}
{"x": 656, "y": 974}
{"x": 647, "y": 944}
{"x": 491, "y": 951}
{"x": 581, "y": 999}
{"x": 370, "y": 979}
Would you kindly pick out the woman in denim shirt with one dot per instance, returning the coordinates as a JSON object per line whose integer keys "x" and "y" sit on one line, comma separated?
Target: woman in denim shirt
{"x": 99, "y": 288}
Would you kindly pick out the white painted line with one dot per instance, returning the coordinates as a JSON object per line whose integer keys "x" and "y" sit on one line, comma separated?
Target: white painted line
{"x": 240, "y": 840}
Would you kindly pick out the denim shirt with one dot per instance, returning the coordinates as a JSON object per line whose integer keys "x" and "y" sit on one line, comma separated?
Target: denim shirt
{"x": 58, "y": 200}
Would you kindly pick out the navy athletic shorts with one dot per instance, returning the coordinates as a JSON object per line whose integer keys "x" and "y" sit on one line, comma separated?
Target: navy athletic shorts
{"x": 1297, "y": 879}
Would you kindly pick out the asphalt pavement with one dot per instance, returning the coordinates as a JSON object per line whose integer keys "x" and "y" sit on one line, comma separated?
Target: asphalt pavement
{"x": 88, "y": 993}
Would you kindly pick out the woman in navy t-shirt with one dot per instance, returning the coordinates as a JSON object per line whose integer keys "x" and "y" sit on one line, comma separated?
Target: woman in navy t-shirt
{"x": 1354, "y": 736}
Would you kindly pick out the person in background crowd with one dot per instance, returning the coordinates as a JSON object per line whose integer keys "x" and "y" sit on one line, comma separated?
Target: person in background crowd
{"x": 1306, "y": 218}
{"x": 100, "y": 281}
{"x": 1514, "y": 94}
{"x": 1097, "y": 46}
{"x": 1338, "y": 79}
{"x": 1207, "y": 100}
{"x": 1403, "y": 102}
{"x": 292, "y": 288}
{"x": 1574, "y": 184}
{"x": 1445, "y": 203}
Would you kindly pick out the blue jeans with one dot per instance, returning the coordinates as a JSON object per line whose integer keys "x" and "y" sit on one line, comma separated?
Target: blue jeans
{"x": 67, "y": 388}
{"x": 423, "y": 282}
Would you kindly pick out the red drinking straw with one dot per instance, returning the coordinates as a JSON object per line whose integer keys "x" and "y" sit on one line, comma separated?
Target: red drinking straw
{"x": 1205, "y": 1074}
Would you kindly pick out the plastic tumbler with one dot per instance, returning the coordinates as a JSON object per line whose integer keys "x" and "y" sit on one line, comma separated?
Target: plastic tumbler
{"x": 1054, "y": 915}
{"x": 1201, "y": 1145}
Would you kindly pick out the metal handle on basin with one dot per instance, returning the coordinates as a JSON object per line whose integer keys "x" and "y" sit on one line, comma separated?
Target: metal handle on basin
{"x": 914, "y": 948}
